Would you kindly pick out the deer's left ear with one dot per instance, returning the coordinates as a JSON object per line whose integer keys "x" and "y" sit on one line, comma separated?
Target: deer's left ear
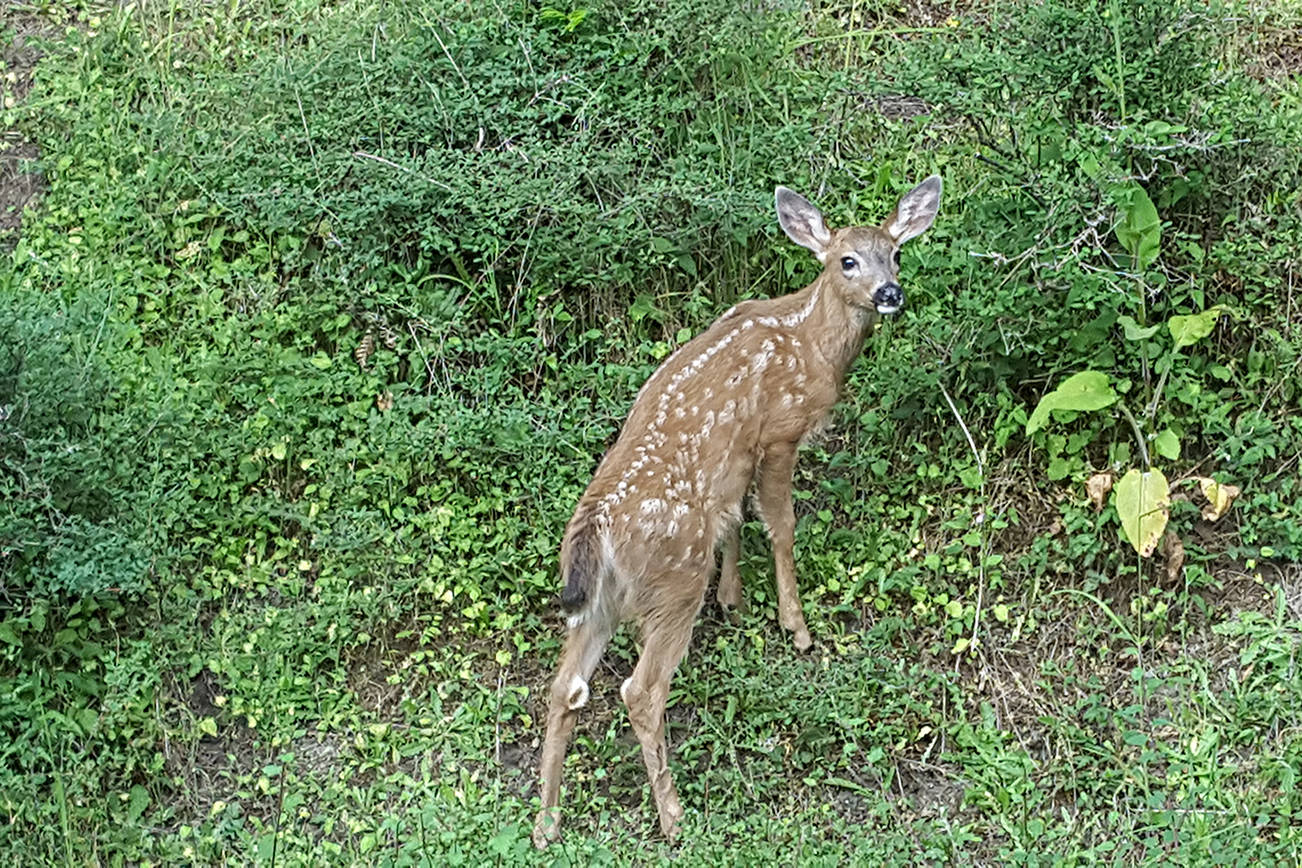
{"x": 916, "y": 211}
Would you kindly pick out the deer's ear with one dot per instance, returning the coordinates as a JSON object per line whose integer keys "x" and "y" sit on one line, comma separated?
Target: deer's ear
{"x": 916, "y": 211}
{"x": 802, "y": 222}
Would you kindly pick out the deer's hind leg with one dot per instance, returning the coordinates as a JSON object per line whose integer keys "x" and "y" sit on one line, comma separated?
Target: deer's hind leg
{"x": 584, "y": 645}
{"x": 666, "y": 632}
{"x": 729, "y": 593}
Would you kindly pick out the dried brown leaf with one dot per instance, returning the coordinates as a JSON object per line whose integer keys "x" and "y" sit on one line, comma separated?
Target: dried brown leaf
{"x": 1097, "y": 487}
{"x": 1173, "y": 550}
{"x": 365, "y": 348}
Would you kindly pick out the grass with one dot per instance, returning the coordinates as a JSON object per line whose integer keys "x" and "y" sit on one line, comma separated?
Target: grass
{"x": 325, "y": 312}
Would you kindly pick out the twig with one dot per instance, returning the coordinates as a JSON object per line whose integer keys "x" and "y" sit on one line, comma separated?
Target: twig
{"x": 365, "y": 156}
{"x": 307, "y": 134}
{"x": 981, "y": 561}
{"x": 448, "y": 55}
{"x": 966, "y": 433}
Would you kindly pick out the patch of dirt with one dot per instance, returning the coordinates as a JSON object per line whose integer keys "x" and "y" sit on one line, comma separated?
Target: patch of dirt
{"x": 20, "y": 183}
{"x": 1276, "y": 53}
{"x": 210, "y": 766}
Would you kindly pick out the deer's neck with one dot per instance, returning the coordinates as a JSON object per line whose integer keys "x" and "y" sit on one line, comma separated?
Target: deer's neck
{"x": 833, "y": 327}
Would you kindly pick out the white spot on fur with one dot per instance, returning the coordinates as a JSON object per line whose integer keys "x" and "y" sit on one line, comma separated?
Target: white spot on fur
{"x": 794, "y": 319}
{"x": 623, "y": 689}
{"x": 575, "y": 620}
{"x": 653, "y": 506}
{"x": 578, "y": 695}
{"x": 708, "y": 426}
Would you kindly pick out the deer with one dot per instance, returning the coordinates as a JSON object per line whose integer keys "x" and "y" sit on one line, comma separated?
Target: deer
{"x": 726, "y": 411}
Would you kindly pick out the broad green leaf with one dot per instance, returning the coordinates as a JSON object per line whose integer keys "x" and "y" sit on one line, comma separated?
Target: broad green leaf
{"x": 137, "y": 802}
{"x": 1088, "y": 390}
{"x": 1133, "y": 330}
{"x": 641, "y": 306}
{"x": 1143, "y": 501}
{"x": 1094, "y": 332}
{"x": 208, "y": 726}
{"x": 1192, "y": 328}
{"x": 1167, "y": 445}
{"x": 1139, "y": 229}
{"x": 321, "y": 361}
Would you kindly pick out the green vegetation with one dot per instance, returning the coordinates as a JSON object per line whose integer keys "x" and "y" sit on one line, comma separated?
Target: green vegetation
{"x": 327, "y": 311}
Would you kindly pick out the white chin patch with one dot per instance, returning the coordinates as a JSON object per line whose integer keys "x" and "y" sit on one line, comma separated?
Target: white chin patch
{"x": 888, "y": 309}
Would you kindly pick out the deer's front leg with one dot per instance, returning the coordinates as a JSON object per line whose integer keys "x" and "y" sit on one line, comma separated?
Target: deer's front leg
{"x": 774, "y": 496}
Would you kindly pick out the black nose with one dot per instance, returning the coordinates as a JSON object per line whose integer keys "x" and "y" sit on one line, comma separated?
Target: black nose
{"x": 889, "y": 298}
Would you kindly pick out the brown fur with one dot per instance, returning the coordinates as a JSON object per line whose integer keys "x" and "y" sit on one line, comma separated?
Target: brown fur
{"x": 727, "y": 408}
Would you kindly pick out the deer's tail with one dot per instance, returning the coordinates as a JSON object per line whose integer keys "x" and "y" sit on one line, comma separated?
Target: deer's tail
{"x": 584, "y": 564}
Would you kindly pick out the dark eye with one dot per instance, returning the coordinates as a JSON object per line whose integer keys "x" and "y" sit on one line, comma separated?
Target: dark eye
{"x": 896, "y": 257}
{"x": 848, "y": 263}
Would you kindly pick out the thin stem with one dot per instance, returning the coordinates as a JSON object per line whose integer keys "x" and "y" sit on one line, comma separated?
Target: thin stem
{"x": 1139, "y": 434}
{"x": 981, "y": 561}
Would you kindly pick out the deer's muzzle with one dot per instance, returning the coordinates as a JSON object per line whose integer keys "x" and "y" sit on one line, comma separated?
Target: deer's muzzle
{"x": 889, "y": 298}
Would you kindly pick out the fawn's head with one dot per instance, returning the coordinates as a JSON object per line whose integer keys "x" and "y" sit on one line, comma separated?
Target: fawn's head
{"x": 863, "y": 261}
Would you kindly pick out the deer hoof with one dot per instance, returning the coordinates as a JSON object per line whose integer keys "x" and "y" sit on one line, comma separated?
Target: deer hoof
{"x": 671, "y": 821}
{"x": 732, "y": 612}
{"x": 547, "y": 828}
{"x": 802, "y": 640}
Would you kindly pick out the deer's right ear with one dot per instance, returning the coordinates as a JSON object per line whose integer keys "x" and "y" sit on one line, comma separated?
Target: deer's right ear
{"x": 802, "y": 222}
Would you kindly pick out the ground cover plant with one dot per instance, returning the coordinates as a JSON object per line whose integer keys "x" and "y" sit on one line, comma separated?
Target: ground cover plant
{"x": 319, "y": 316}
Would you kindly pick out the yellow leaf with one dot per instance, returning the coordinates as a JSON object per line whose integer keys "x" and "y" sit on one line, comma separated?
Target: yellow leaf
{"x": 1143, "y": 505}
{"x": 1219, "y": 497}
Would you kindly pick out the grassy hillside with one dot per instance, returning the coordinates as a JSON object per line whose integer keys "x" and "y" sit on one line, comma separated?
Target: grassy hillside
{"x": 325, "y": 312}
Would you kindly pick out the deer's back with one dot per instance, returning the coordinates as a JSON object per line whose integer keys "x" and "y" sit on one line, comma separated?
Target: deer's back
{"x": 699, "y": 426}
